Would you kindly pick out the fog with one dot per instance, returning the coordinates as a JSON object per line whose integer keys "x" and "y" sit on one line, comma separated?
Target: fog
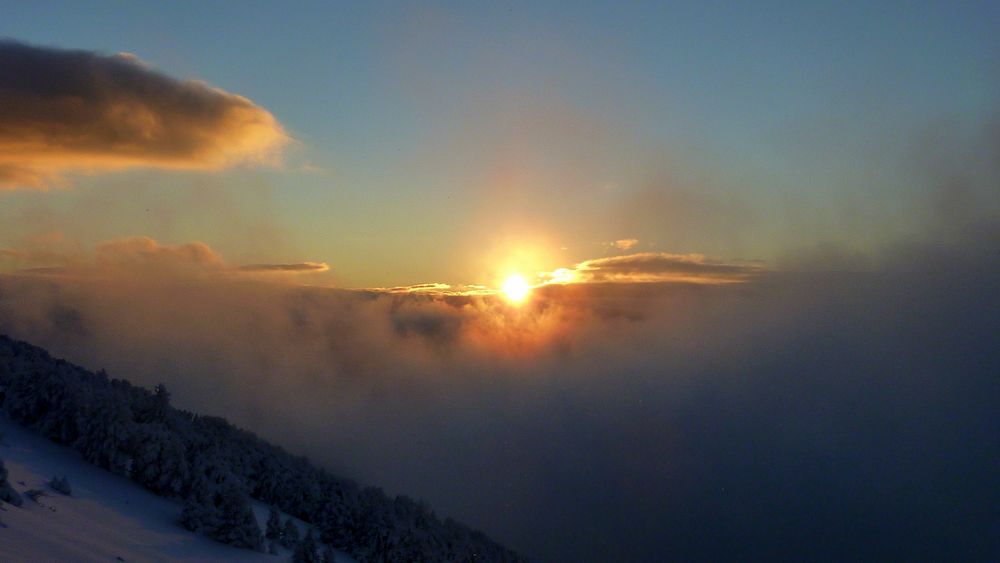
{"x": 820, "y": 415}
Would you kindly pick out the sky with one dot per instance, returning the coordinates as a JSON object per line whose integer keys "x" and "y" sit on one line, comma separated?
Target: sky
{"x": 430, "y": 143}
{"x": 759, "y": 248}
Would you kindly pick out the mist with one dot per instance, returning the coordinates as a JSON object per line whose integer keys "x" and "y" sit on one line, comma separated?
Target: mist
{"x": 821, "y": 415}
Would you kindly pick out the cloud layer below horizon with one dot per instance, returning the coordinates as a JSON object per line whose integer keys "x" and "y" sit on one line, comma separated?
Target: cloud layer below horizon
{"x": 64, "y": 111}
{"x": 839, "y": 413}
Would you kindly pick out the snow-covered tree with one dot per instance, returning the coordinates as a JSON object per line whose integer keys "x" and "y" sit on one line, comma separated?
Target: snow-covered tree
{"x": 306, "y": 551}
{"x": 236, "y": 524}
{"x": 199, "y": 512}
{"x": 7, "y": 493}
{"x": 61, "y": 484}
{"x": 273, "y": 530}
{"x": 290, "y": 534}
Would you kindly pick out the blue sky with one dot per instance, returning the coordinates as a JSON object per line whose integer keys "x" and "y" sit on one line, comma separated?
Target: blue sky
{"x": 435, "y": 141}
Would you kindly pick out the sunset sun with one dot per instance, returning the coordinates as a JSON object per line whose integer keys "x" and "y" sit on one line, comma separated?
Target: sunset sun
{"x": 515, "y": 288}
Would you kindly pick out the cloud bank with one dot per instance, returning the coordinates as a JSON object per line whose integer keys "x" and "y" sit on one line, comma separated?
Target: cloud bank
{"x": 80, "y": 111}
{"x": 793, "y": 416}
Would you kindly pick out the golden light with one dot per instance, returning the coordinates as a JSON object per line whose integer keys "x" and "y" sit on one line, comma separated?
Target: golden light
{"x": 516, "y": 288}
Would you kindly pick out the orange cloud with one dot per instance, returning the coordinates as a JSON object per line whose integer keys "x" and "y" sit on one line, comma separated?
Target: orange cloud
{"x": 43, "y": 249}
{"x": 287, "y": 268}
{"x": 136, "y": 255}
{"x": 79, "y": 111}
{"x": 653, "y": 267}
{"x": 418, "y": 288}
{"x": 146, "y": 253}
{"x": 625, "y": 243}
{"x": 436, "y": 288}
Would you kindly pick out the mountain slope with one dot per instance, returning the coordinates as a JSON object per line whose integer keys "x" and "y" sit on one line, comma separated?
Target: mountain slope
{"x": 213, "y": 467}
{"x": 106, "y": 517}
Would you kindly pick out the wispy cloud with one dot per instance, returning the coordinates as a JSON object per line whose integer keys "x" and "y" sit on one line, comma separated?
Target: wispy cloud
{"x": 81, "y": 111}
{"x": 649, "y": 267}
{"x": 625, "y": 243}
{"x": 146, "y": 253}
{"x": 436, "y": 288}
{"x": 48, "y": 255}
{"x": 294, "y": 267}
{"x": 417, "y": 288}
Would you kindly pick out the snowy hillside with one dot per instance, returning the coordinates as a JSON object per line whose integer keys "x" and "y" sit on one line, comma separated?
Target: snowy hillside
{"x": 107, "y": 517}
{"x": 184, "y": 471}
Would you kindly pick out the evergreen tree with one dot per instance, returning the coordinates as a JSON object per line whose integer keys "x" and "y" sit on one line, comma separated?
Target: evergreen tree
{"x": 236, "y": 523}
{"x": 197, "y": 515}
{"x": 273, "y": 525}
{"x": 61, "y": 484}
{"x": 290, "y": 534}
{"x": 199, "y": 509}
{"x": 306, "y": 550}
{"x": 7, "y": 493}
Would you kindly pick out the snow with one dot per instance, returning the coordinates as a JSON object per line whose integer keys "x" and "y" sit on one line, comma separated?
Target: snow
{"x": 107, "y": 517}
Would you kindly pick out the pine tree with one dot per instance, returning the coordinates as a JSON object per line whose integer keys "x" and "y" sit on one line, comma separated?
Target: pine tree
{"x": 193, "y": 515}
{"x": 199, "y": 513}
{"x": 236, "y": 523}
{"x": 273, "y": 525}
{"x": 7, "y": 493}
{"x": 306, "y": 550}
{"x": 290, "y": 534}
{"x": 61, "y": 484}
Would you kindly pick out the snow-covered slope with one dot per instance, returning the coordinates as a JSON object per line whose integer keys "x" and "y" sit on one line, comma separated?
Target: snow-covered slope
{"x": 107, "y": 517}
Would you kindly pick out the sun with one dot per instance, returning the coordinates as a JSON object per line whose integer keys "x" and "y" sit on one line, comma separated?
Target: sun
{"x": 516, "y": 288}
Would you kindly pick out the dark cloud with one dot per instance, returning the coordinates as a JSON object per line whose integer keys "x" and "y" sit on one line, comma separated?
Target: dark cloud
{"x": 433, "y": 320}
{"x": 64, "y": 110}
